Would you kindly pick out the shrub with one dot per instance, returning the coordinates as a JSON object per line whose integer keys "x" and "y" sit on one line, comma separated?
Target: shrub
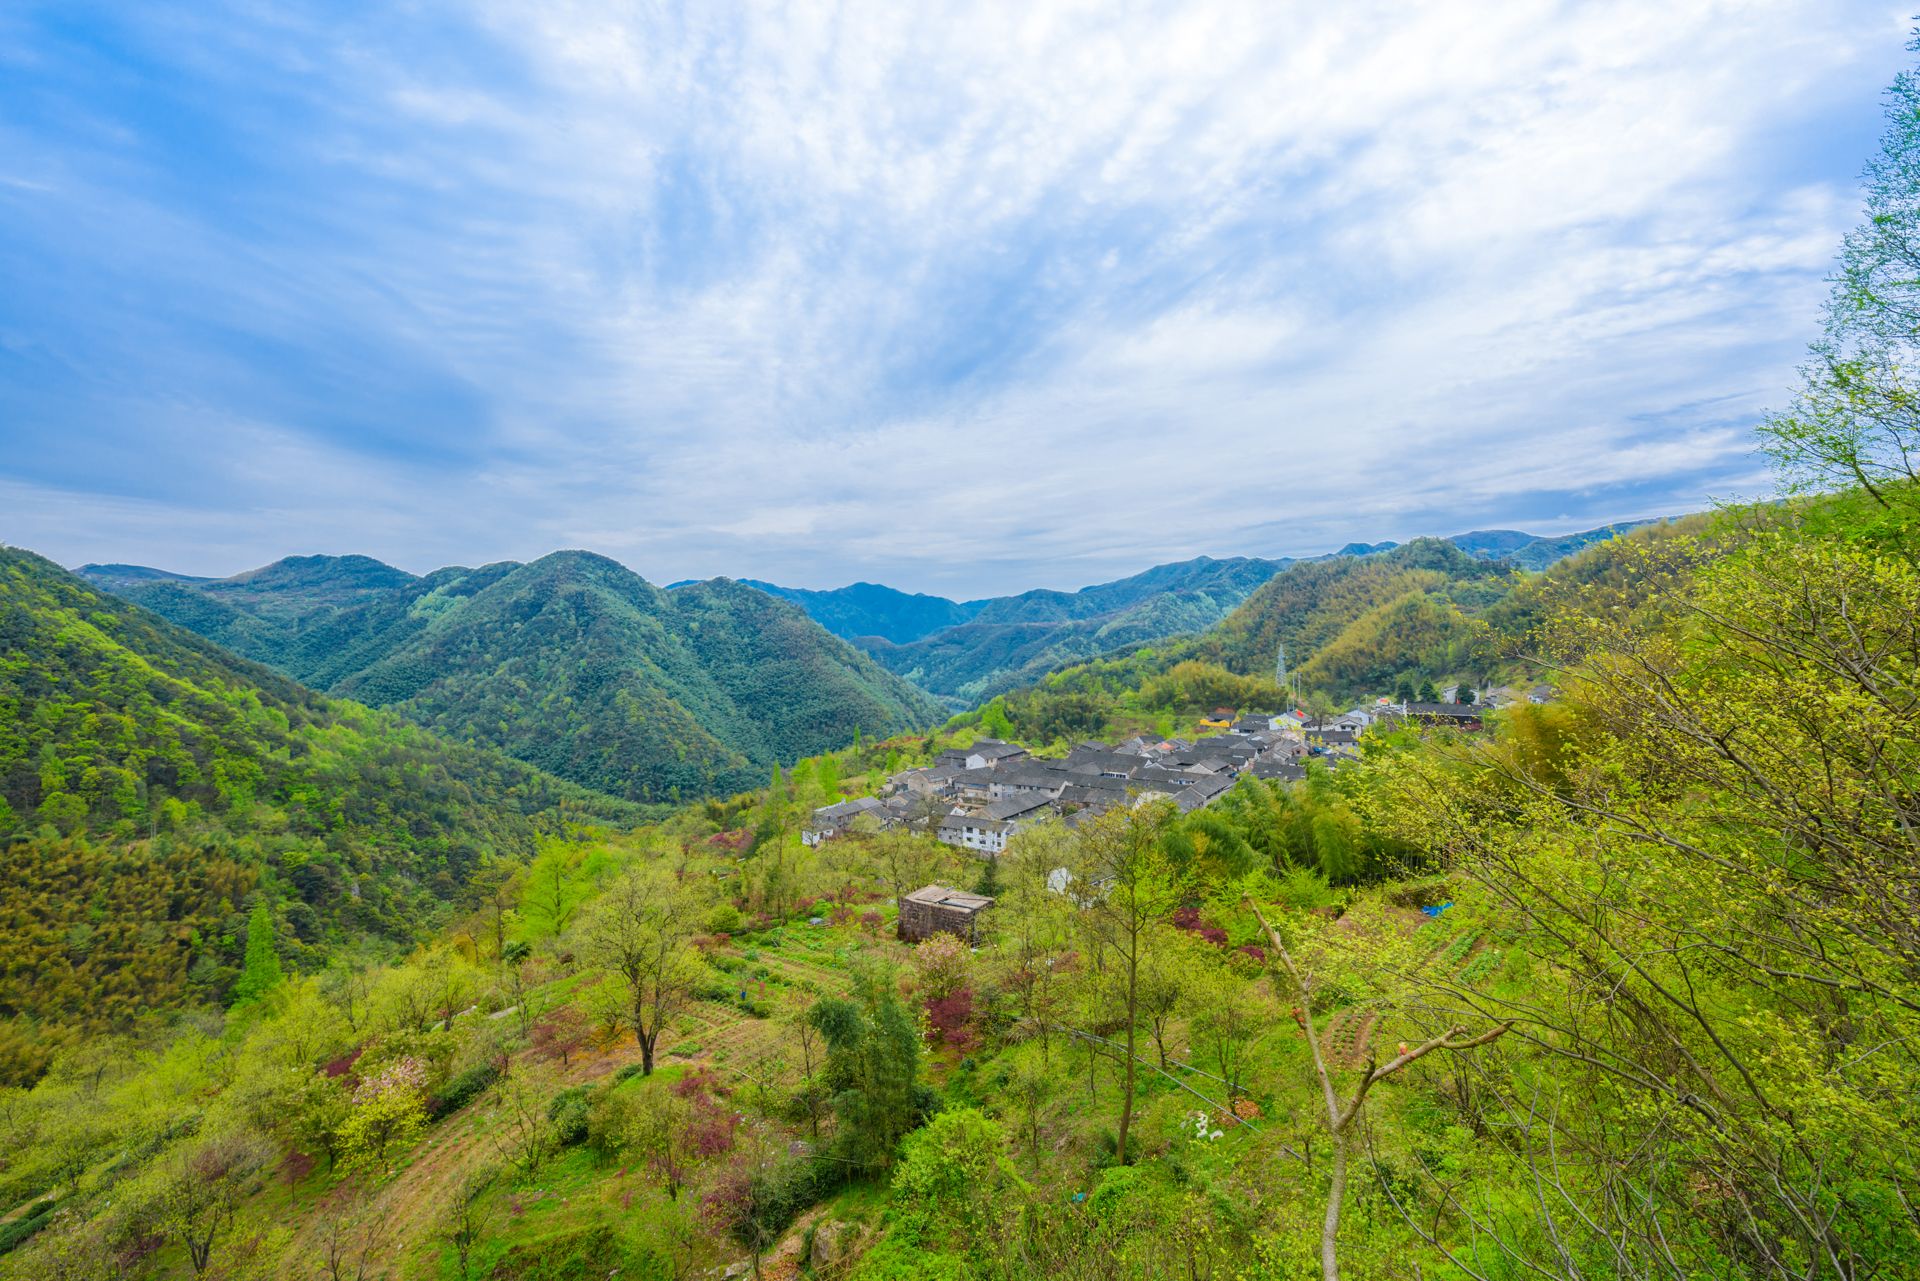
{"x": 754, "y": 1206}
{"x": 953, "y": 1171}
{"x": 568, "y": 1112}
{"x": 464, "y": 1088}
{"x": 942, "y": 962}
{"x": 37, "y": 1216}
{"x": 951, "y": 1017}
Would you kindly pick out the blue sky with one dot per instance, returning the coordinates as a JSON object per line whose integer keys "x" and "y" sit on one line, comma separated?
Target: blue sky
{"x": 962, "y": 298}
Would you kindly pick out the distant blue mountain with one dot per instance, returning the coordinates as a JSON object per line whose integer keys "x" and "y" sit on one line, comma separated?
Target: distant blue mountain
{"x": 1535, "y": 551}
{"x": 869, "y": 609}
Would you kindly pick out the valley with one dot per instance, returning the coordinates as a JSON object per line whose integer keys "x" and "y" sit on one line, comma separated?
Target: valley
{"x": 1490, "y": 907}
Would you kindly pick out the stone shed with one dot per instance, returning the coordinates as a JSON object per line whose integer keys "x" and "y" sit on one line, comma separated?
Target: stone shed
{"x": 935, "y": 909}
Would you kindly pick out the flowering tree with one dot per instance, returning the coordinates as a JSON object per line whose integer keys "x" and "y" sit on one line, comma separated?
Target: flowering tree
{"x": 942, "y": 963}
{"x": 389, "y": 1112}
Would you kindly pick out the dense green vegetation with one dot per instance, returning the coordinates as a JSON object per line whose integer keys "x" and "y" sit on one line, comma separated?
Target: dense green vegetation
{"x": 151, "y": 784}
{"x": 1011, "y": 641}
{"x": 1354, "y": 626}
{"x": 572, "y": 663}
{"x": 1663, "y": 1025}
{"x": 970, "y": 652}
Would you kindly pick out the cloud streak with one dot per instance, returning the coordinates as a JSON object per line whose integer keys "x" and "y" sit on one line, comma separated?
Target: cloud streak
{"x": 967, "y": 298}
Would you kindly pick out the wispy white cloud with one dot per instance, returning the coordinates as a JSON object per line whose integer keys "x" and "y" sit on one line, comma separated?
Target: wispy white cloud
{"x": 965, "y": 297}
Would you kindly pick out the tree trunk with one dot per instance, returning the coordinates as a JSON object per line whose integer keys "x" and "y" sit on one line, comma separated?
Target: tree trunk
{"x": 1330, "y": 1229}
{"x": 1126, "y": 1100}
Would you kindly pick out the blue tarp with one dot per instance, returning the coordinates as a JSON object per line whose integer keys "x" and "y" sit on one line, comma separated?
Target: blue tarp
{"x": 1436, "y": 909}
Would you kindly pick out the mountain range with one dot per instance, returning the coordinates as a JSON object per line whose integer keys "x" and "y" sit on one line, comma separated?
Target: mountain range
{"x": 572, "y": 663}
{"x": 967, "y": 651}
{"x": 577, "y": 665}
{"x": 151, "y": 781}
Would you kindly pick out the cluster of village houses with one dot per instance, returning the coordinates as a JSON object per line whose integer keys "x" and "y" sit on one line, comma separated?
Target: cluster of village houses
{"x": 978, "y": 797}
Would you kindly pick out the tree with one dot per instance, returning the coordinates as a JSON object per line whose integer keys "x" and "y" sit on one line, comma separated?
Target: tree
{"x": 353, "y": 1244}
{"x": 1736, "y": 870}
{"x": 811, "y": 1097}
{"x": 464, "y": 1222}
{"x": 1227, "y": 1017}
{"x": 560, "y": 1034}
{"x": 550, "y": 896}
{"x": 260, "y": 973}
{"x": 1122, "y": 853}
{"x": 1033, "y": 925}
{"x": 1463, "y": 694}
{"x": 925, "y": 811}
{"x": 942, "y": 962}
{"x": 906, "y": 861}
{"x": 1343, "y": 1118}
{"x": 955, "y": 1174}
{"x": 641, "y": 930}
{"x": 1427, "y": 694}
{"x": 1166, "y": 977}
{"x": 873, "y": 1069}
{"x": 497, "y": 888}
{"x": 200, "y": 1192}
{"x": 389, "y": 1114}
{"x": 1404, "y": 692}
{"x": 1856, "y": 418}
{"x": 314, "y": 1113}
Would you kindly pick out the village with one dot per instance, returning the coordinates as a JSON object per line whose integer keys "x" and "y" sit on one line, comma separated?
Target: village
{"x": 978, "y": 797}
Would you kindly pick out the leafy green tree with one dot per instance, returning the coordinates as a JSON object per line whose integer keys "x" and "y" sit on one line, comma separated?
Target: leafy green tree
{"x": 1856, "y": 419}
{"x": 388, "y": 1115}
{"x": 641, "y": 930}
{"x": 260, "y": 974}
{"x": 196, "y": 1197}
{"x": 954, "y": 1178}
{"x": 873, "y": 1070}
{"x": 1123, "y": 853}
{"x": 1427, "y": 693}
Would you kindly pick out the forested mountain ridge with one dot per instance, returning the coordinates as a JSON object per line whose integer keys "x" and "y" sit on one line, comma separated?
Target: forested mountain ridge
{"x": 1379, "y": 624}
{"x": 1421, "y": 588}
{"x": 968, "y": 652}
{"x": 1012, "y": 640}
{"x": 861, "y": 610}
{"x": 573, "y": 663}
{"x": 1537, "y": 551}
{"x": 151, "y": 782}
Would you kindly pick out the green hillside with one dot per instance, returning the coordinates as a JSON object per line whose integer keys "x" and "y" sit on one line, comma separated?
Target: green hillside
{"x": 572, "y": 663}
{"x": 1354, "y": 626}
{"x": 1008, "y": 642}
{"x": 151, "y": 784}
{"x": 1312, "y": 604}
{"x": 1014, "y": 640}
{"x": 700, "y": 1048}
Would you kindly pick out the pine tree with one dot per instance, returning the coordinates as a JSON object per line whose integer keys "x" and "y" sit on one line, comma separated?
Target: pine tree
{"x": 261, "y": 972}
